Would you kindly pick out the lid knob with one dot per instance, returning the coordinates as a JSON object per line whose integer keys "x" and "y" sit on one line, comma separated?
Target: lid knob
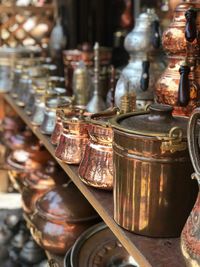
{"x": 160, "y": 112}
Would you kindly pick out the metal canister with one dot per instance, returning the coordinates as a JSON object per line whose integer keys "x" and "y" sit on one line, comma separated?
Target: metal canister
{"x": 153, "y": 191}
{"x": 25, "y": 85}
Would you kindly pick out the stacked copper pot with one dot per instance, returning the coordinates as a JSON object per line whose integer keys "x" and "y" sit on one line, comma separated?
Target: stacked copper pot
{"x": 179, "y": 84}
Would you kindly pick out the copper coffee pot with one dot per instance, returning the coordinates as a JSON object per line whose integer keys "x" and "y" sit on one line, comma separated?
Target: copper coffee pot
{"x": 96, "y": 166}
{"x": 179, "y": 85}
{"x": 74, "y": 136}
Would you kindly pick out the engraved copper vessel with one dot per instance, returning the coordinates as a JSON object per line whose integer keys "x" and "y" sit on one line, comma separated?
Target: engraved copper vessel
{"x": 179, "y": 84}
{"x": 23, "y": 161}
{"x": 96, "y": 166}
{"x": 60, "y": 219}
{"x": 39, "y": 182}
{"x": 153, "y": 192}
{"x": 181, "y": 37}
{"x": 190, "y": 237}
{"x": 170, "y": 83}
{"x": 73, "y": 138}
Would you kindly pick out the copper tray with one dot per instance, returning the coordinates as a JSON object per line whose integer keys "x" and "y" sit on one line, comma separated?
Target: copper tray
{"x": 99, "y": 247}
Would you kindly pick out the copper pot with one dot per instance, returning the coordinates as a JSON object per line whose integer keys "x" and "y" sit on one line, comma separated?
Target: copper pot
{"x": 190, "y": 237}
{"x": 74, "y": 137}
{"x": 181, "y": 36}
{"x": 96, "y": 167}
{"x": 151, "y": 161}
{"x": 60, "y": 219}
{"x": 23, "y": 161}
{"x": 39, "y": 182}
{"x": 10, "y": 125}
{"x": 182, "y": 92}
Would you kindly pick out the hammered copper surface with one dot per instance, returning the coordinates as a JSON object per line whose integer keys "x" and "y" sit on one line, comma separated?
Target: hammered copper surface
{"x": 96, "y": 166}
{"x": 108, "y": 252}
{"x": 62, "y": 214}
{"x": 73, "y": 138}
{"x": 151, "y": 181}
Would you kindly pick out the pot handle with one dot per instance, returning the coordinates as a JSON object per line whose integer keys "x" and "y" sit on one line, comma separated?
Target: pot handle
{"x": 156, "y": 34}
{"x": 184, "y": 86}
{"x": 190, "y": 27}
{"x": 106, "y": 113}
{"x": 193, "y": 142}
{"x": 144, "y": 81}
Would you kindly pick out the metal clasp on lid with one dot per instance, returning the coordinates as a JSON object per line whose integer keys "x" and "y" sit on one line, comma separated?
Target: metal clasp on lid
{"x": 174, "y": 142}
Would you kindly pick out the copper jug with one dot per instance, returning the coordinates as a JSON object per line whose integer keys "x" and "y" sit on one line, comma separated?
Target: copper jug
{"x": 74, "y": 137}
{"x": 146, "y": 61}
{"x": 151, "y": 161}
{"x": 96, "y": 166}
{"x": 190, "y": 237}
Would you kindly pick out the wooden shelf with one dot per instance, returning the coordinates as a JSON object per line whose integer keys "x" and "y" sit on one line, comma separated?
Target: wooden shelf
{"x": 156, "y": 252}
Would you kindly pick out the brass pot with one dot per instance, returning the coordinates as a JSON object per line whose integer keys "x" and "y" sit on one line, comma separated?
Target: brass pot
{"x": 96, "y": 166}
{"x": 73, "y": 138}
{"x": 60, "y": 219}
{"x": 39, "y": 182}
{"x": 153, "y": 192}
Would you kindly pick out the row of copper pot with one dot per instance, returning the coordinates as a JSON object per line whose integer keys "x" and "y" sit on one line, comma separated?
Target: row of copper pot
{"x": 49, "y": 200}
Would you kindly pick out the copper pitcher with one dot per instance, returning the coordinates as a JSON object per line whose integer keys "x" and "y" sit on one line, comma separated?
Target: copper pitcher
{"x": 73, "y": 138}
{"x": 151, "y": 161}
{"x": 96, "y": 166}
{"x": 190, "y": 237}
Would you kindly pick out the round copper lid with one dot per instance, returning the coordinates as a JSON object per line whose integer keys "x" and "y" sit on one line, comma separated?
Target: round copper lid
{"x": 158, "y": 121}
{"x": 65, "y": 203}
{"x": 99, "y": 247}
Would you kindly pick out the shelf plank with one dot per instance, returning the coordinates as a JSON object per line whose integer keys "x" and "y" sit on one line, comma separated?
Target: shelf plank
{"x": 146, "y": 251}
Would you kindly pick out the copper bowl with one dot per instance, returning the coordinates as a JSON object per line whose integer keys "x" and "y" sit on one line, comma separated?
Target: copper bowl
{"x": 39, "y": 182}
{"x": 62, "y": 214}
{"x": 108, "y": 252}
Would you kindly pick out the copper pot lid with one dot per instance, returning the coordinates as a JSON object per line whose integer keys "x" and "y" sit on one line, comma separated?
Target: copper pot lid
{"x": 158, "y": 121}
{"x": 99, "y": 247}
{"x": 65, "y": 203}
{"x": 45, "y": 177}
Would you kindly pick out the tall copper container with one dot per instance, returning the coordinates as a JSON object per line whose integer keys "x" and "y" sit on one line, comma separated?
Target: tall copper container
{"x": 153, "y": 192}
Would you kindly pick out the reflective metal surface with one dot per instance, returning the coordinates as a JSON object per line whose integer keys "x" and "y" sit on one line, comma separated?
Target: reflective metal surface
{"x": 150, "y": 164}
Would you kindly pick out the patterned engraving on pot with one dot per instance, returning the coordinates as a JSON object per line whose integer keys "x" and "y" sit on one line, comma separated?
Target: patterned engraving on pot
{"x": 190, "y": 237}
{"x": 96, "y": 167}
{"x": 57, "y": 132}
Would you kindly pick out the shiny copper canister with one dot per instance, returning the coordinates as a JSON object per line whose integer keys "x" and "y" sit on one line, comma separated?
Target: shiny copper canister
{"x": 153, "y": 191}
{"x": 96, "y": 167}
